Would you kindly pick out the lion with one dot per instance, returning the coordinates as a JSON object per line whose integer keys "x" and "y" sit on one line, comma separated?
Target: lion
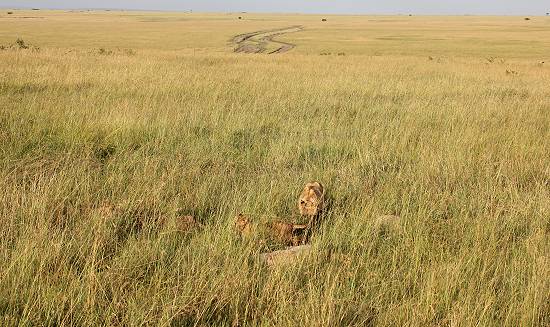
{"x": 287, "y": 233}
{"x": 278, "y": 231}
{"x": 312, "y": 199}
{"x": 243, "y": 226}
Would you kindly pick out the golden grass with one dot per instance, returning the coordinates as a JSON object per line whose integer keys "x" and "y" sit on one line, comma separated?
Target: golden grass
{"x": 98, "y": 151}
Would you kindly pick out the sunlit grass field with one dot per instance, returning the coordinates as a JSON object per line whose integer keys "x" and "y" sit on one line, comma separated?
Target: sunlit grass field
{"x": 114, "y": 124}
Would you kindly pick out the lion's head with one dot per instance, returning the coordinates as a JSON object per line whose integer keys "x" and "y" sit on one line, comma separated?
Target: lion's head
{"x": 312, "y": 199}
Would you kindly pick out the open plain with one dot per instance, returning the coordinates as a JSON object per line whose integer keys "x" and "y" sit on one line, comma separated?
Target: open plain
{"x": 116, "y": 124}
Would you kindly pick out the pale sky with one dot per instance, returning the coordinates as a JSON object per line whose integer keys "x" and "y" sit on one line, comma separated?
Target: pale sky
{"x": 456, "y": 7}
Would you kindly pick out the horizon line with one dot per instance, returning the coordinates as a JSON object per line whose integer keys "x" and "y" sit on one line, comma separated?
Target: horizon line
{"x": 274, "y": 12}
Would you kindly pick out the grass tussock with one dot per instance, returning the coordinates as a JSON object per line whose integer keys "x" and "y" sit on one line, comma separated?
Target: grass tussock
{"x": 101, "y": 155}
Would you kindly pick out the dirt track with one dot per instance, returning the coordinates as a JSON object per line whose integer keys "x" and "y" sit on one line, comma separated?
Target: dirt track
{"x": 263, "y": 41}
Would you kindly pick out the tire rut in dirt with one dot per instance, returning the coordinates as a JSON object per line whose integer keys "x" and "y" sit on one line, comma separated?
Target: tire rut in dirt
{"x": 264, "y": 42}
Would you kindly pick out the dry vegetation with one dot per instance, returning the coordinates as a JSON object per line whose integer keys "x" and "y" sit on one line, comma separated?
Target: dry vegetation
{"x": 103, "y": 154}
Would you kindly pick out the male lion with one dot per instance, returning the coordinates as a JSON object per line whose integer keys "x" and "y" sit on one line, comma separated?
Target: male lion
{"x": 312, "y": 199}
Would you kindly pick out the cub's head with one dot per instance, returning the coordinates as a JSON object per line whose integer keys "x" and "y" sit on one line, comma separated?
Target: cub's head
{"x": 243, "y": 225}
{"x": 312, "y": 199}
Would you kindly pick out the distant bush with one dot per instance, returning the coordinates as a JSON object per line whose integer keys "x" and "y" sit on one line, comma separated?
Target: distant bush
{"x": 129, "y": 52}
{"x": 103, "y": 51}
{"x": 107, "y": 52}
{"x": 20, "y": 44}
{"x": 10, "y": 12}
{"x": 527, "y": 18}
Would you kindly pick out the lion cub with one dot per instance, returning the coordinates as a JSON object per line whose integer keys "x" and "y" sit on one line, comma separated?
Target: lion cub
{"x": 243, "y": 226}
{"x": 278, "y": 231}
{"x": 312, "y": 199}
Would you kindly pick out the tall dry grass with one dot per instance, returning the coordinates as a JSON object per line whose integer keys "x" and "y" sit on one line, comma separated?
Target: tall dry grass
{"x": 99, "y": 153}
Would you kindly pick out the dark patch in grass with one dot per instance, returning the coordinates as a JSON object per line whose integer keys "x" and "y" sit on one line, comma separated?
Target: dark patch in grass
{"x": 202, "y": 131}
{"x": 45, "y": 142}
{"x": 11, "y": 311}
{"x": 242, "y": 140}
{"x": 104, "y": 152}
{"x": 102, "y": 149}
{"x": 269, "y": 132}
{"x": 137, "y": 218}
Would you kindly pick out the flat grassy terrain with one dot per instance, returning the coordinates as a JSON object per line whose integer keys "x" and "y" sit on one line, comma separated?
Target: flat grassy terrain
{"x": 114, "y": 124}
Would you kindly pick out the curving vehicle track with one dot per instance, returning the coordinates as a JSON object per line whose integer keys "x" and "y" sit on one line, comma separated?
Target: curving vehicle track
{"x": 264, "y": 42}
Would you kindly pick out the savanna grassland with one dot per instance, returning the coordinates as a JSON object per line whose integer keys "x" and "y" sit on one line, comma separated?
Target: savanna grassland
{"x": 114, "y": 124}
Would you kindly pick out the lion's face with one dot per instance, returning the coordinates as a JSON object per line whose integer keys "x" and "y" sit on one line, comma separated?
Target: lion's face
{"x": 311, "y": 199}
